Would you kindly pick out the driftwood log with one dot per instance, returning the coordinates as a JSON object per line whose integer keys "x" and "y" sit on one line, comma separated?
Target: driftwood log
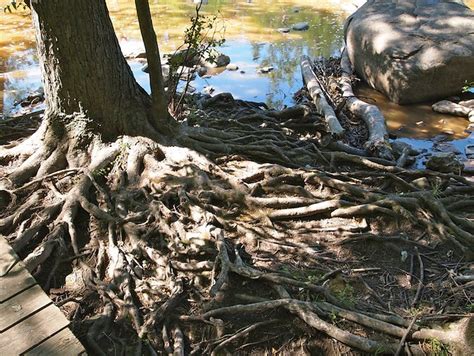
{"x": 377, "y": 144}
{"x": 316, "y": 92}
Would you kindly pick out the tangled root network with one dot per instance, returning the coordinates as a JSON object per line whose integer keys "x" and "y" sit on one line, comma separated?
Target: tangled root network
{"x": 243, "y": 236}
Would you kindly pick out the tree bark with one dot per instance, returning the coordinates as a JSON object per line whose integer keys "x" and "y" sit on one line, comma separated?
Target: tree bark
{"x": 84, "y": 70}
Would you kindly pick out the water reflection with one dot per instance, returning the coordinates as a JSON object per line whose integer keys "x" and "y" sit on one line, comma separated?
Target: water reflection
{"x": 253, "y": 42}
{"x": 414, "y": 120}
{"x": 274, "y": 88}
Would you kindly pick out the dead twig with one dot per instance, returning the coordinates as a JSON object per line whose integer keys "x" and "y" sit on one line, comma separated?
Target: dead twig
{"x": 421, "y": 279}
{"x": 405, "y": 335}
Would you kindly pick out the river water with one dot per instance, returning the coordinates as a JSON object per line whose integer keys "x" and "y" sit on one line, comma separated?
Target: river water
{"x": 252, "y": 42}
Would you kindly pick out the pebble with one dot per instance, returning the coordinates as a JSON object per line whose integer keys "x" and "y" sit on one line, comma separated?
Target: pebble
{"x": 300, "y": 26}
{"x": 448, "y": 132}
{"x": 267, "y": 69}
{"x": 284, "y": 29}
{"x": 208, "y": 90}
{"x": 445, "y": 147}
{"x": 232, "y": 66}
{"x": 469, "y": 151}
{"x": 440, "y": 138}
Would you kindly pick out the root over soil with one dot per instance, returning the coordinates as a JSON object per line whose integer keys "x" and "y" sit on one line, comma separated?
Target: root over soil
{"x": 243, "y": 235}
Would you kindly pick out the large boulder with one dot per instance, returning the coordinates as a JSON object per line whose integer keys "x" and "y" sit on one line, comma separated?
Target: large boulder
{"x": 412, "y": 50}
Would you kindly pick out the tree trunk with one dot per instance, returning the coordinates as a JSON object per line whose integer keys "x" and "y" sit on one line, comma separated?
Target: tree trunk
{"x": 84, "y": 70}
{"x": 160, "y": 104}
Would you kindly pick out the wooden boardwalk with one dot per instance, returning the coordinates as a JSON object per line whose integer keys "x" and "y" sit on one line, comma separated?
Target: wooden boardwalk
{"x": 30, "y": 324}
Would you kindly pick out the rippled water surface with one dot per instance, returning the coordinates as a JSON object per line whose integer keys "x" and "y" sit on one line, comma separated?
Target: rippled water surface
{"x": 252, "y": 42}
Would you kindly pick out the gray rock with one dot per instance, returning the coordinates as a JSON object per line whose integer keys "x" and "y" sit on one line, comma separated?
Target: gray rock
{"x": 284, "y": 29}
{"x": 214, "y": 59}
{"x": 440, "y": 138}
{"x": 232, "y": 66}
{"x": 412, "y": 51}
{"x": 208, "y": 90}
{"x": 445, "y": 163}
{"x": 449, "y": 107}
{"x": 469, "y": 151}
{"x": 264, "y": 70}
{"x": 399, "y": 147}
{"x": 446, "y": 147}
{"x": 165, "y": 69}
{"x": 300, "y": 26}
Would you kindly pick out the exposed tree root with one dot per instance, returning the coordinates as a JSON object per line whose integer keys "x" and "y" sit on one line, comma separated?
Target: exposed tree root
{"x": 161, "y": 241}
{"x": 463, "y": 108}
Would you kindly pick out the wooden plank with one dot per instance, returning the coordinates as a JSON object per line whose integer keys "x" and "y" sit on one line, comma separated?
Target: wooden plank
{"x": 22, "y": 305}
{"x": 63, "y": 343}
{"x": 8, "y": 257}
{"x": 32, "y": 331}
{"x": 15, "y": 281}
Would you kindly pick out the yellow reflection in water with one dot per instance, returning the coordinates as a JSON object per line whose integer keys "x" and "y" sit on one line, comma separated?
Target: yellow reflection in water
{"x": 249, "y": 19}
{"x": 16, "y": 34}
{"x": 416, "y": 121}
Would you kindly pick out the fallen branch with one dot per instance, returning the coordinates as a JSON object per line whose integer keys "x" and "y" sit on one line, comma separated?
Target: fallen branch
{"x": 241, "y": 334}
{"x": 319, "y": 99}
{"x": 420, "y": 281}
{"x": 377, "y": 143}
